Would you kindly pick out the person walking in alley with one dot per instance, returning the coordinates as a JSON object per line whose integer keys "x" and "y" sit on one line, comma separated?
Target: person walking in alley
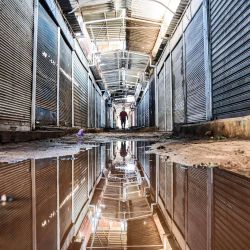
{"x": 123, "y": 117}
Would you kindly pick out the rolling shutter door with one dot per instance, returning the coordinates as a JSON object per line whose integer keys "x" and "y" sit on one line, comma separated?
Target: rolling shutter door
{"x": 161, "y": 100}
{"x": 16, "y": 27}
{"x": 46, "y": 87}
{"x": 65, "y": 85}
{"x": 230, "y": 38}
{"x": 152, "y": 104}
{"x": 178, "y": 84}
{"x": 103, "y": 116}
{"x": 168, "y": 94}
{"x": 195, "y": 69}
{"x": 147, "y": 109}
{"x": 80, "y": 94}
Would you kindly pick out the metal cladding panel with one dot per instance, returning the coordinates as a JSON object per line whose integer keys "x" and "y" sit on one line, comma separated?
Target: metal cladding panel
{"x": 179, "y": 176}
{"x": 162, "y": 177}
{"x": 195, "y": 69}
{"x": 103, "y": 113}
{"x": 197, "y": 208}
{"x": 65, "y": 85}
{"x": 152, "y": 171}
{"x": 169, "y": 188}
{"x": 46, "y": 85}
{"x": 231, "y": 211}
{"x": 46, "y": 203}
{"x": 178, "y": 84}
{"x": 80, "y": 93}
{"x": 146, "y": 111}
{"x": 161, "y": 100}
{"x": 80, "y": 182}
{"x": 16, "y": 27}
{"x": 168, "y": 85}
{"x": 152, "y": 104}
{"x": 230, "y": 45}
{"x": 65, "y": 195}
{"x": 16, "y": 216}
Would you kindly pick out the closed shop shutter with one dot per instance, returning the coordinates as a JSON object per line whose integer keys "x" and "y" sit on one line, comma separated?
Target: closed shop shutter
{"x": 16, "y": 27}
{"x": 161, "y": 100}
{"x": 46, "y": 203}
{"x": 80, "y": 94}
{"x": 80, "y": 182}
{"x": 195, "y": 69}
{"x": 65, "y": 85}
{"x": 230, "y": 58}
{"x": 178, "y": 84}
{"x": 46, "y": 86}
{"x": 168, "y": 94}
{"x": 103, "y": 115}
{"x": 147, "y": 109}
{"x": 197, "y": 208}
{"x": 231, "y": 211}
{"x": 152, "y": 104}
{"x": 16, "y": 216}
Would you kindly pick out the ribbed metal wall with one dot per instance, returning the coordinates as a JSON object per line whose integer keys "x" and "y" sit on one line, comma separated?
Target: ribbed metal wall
{"x": 46, "y": 86}
{"x": 168, "y": 93}
{"x": 80, "y": 182}
{"x": 65, "y": 195}
{"x": 195, "y": 69}
{"x": 152, "y": 104}
{"x": 231, "y": 211}
{"x": 178, "y": 84}
{"x": 65, "y": 84}
{"x": 16, "y": 25}
{"x": 80, "y": 93}
{"x": 162, "y": 180}
{"x": 146, "y": 109}
{"x": 230, "y": 43}
{"x": 46, "y": 203}
{"x": 161, "y": 100}
{"x": 16, "y": 216}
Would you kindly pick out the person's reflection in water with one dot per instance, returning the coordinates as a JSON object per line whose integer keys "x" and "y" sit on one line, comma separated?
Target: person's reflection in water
{"x": 123, "y": 151}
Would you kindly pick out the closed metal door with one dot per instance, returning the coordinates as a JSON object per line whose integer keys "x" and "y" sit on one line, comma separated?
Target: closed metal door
{"x": 65, "y": 85}
{"x": 230, "y": 45}
{"x": 80, "y": 94}
{"x": 46, "y": 86}
{"x": 178, "y": 84}
{"x": 16, "y": 29}
{"x": 195, "y": 69}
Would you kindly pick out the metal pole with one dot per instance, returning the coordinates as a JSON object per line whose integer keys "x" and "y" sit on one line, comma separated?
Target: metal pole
{"x": 184, "y": 76}
{"x": 33, "y": 181}
{"x": 58, "y": 78}
{"x": 165, "y": 99}
{"x": 34, "y": 66}
{"x": 156, "y": 98}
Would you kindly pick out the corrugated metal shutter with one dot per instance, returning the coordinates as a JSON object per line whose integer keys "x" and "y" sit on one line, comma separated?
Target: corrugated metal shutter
{"x": 152, "y": 168}
{"x": 80, "y": 182}
{"x": 146, "y": 109}
{"x": 152, "y": 104}
{"x": 65, "y": 195}
{"x": 195, "y": 69}
{"x": 168, "y": 94}
{"x": 169, "y": 188}
{"x": 162, "y": 181}
{"x": 197, "y": 208}
{"x": 103, "y": 113}
{"x": 46, "y": 203}
{"x": 178, "y": 84}
{"x": 65, "y": 85}
{"x": 16, "y": 216}
{"x": 230, "y": 58}
{"x": 179, "y": 196}
{"x": 80, "y": 94}
{"x": 16, "y": 27}
{"x": 161, "y": 100}
{"x": 46, "y": 86}
{"x": 231, "y": 211}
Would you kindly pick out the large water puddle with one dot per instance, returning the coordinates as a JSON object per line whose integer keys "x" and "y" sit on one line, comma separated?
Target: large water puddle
{"x": 106, "y": 197}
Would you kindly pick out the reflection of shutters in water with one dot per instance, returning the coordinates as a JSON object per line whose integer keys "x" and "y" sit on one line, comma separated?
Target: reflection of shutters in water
{"x": 46, "y": 87}
{"x": 178, "y": 84}
{"x": 161, "y": 100}
{"x": 230, "y": 58}
{"x": 46, "y": 203}
{"x": 195, "y": 71}
{"x": 16, "y": 25}
{"x": 80, "y": 93}
{"x": 65, "y": 85}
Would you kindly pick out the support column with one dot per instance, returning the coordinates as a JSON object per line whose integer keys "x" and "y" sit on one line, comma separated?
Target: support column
{"x": 73, "y": 108}
{"x": 157, "y": 178}
{"x": 171, "y": 95}
{"x": 165, "y": 99}
{"x": 58, "y": 78}
{"x": 184, "y": 75}
{"x": 58, "y": 205}
{"x": 72, "y": 180}
{"x": 34, "y": 66}
{"x": 33, "y": 183}
{"x": 156, "y": 98}
{"x": 207, "y": 60}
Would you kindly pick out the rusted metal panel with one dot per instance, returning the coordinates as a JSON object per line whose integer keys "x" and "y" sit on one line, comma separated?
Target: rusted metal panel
{"x": 65, "y": 195}
{"x": 197, "y": 208}
{"x": 65, "y": 85}
{"x": 16, "y": 27}
{"x": 231, "y": 211}
{"x": 46, "y": 86}
{"x": 16, "y": 216}
{"x": 46, "y": 203}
